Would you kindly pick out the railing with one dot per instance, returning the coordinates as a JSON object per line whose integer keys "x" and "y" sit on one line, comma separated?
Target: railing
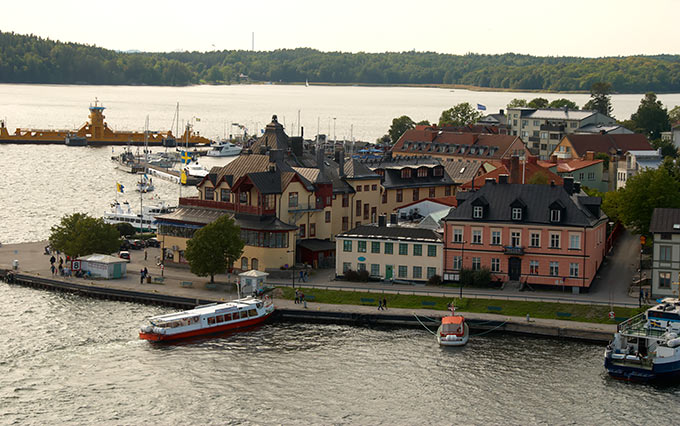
{"x": 517, "y": 251}
{"x": 223, "y": 205}
{"x": 636, "y": 326}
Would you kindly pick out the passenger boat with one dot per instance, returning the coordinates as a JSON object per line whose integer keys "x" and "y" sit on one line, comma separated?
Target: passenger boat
{"x": 646, "y": 347}
{"x": 453, "y": 330}
{"x": 196, "y": 170}
{"x": 123, "y": 213}
{"x": 208, "y": 319}
{"x": 224, "y": 149}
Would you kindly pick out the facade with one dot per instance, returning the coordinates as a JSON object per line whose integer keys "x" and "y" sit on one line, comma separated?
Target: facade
{"x": 665, "y": 228}
{"x": 390, "y": 253}
{"x": 576, "y": 146}
{"x": 588, "y": 171}
{"x": 103, "y": 266}
{"x": 542, "y": 129}
{"x": 539, "y": 234}
{"x": 633, "y": 162}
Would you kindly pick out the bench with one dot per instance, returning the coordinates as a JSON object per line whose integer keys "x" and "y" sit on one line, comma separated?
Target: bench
{"x": 186, "y": 284}
{"x": 563, "y": 314}
{"x": 494, "y": 308}
{"x": 309, "y": 297}
{"x": 428, "y": 303}
{"x": 367, "y": 300}
{"x": 211, "y": 286}
{"x": 158, "y": 280}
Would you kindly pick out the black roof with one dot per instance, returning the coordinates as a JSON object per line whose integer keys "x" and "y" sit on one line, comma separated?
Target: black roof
{"x": 392, "y": 233}
{"x": 577, "y": 210}
{"x": 268, "y": 224}
{"x": 267, "y": 182}
{"x": 665, "y": 221}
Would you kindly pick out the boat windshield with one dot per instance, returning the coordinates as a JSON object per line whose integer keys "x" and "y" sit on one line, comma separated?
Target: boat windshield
{"x": 451, "y": 328}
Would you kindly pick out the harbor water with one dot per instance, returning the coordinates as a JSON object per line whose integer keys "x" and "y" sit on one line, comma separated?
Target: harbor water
{"x": 68, "y": 359}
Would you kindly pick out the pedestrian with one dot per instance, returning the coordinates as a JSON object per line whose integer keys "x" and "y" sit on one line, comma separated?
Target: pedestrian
{"x": 61, "y": 269}
{"x": 384, "y": 304}
{"x": 52, "y": 260}
{"x": 305, "y": 276}
{"x": 145, "y": 254}
{"x": 146, "y": 271}
{"x": 61, "y": 261}
{"x": 297, "y": 297}
{"x": 379, "y": 305}
{"x": 54, "y": 270}
{"x": 641, "y": 297}
{"x": 302, "y": 276}
{"x": 162, "y": 268}
{"x": 141, "y": 276}
{"x": 646, "y": 298}
{"x": 302, "y": 296}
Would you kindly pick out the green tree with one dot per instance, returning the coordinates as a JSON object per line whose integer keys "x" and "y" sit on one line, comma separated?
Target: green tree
{"x": 125, "y": 229}
{"x": 383, "y": 140}
{"x": 538, "y": 103}
{"x": 600, "y": 98}
{"x": 674, "y": 115}
{"x": 399, "y": 126}
{"x": 651, "y": 117}
{"x": 643, "y": 193}
{"x": 459, "y": 115}
{"x": 214, "y": 248}
{"x": 517, "y": 103}
{"x": 666, "y": 146}
{"x": 423, "y": 123}
{"x": 539, "y": 178}
{"x": 563, "y": 103}
{"x": 80, "y": 234}
{"x": 604, "y": 157}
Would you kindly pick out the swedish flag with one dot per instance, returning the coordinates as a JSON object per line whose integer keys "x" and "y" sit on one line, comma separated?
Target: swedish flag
{"x": 120, "y": 188}
{"x": 185, "y": 158}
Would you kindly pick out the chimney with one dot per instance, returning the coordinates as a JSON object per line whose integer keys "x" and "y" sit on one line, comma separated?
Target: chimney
{"x": 552, "y": 183}
{"x": 515, "y": 171}
{"x": 501, "y": 112}
{"x": 553, "y": 159}
{"x": 490, "y": 180}
{"x": 568, "y": 184}
{"x": 341, "y": 163}
{"x": 577, "y": 187}
{"x": 502, "y": 179}
{"x": 393, "y": 219}
{"x": 319, "y": 161}
{"x": 532, "y": 159}
{"x": 302, "y": 132}
{"x": 382, "y": 220}
{"x": 590, "y": 155}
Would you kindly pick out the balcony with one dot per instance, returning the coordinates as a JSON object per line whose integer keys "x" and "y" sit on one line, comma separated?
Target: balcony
{"x": 552, "y": 128}
{"x": 513, "y": 251}
{"x": 305, "y": 208}
{"x": 222, "y": 205}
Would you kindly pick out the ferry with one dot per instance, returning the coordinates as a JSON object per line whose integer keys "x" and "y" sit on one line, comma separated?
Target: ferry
{"x": 224, "y": 149}
{"x": 453, "y": 330}
{"x": 646, "y": 347}
{"x": 123, "y": 213}
{"x": 208, "y": 319}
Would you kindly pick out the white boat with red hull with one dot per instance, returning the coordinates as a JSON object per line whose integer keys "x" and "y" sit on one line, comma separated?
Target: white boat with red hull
{"x": 208, "y": 319}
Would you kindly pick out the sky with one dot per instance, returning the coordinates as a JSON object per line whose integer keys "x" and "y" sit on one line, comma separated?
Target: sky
{"x": 590, "y": 28}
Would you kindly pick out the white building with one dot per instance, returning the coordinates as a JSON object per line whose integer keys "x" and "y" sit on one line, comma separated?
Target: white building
{"x": 633, "y": 162}
{"x": 103, "y": 266}
{"x": 665, "y": 227}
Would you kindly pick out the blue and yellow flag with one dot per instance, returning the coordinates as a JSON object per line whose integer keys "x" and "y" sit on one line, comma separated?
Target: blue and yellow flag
{"x": 120, "y": 188}
{"x": 183, "y": 177}
{"x": 185, "y": 158}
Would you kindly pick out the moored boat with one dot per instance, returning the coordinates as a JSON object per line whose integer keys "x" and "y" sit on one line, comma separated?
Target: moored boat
{"x": 224, "y": 149}
{"x": 646, "y": 347}
{"x": 123, "y": 213}
{"x": 208, "y": 319}
{"x": 453, "y": 330}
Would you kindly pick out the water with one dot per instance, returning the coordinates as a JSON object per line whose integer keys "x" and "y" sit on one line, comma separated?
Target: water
{"x": 64, "y": 358}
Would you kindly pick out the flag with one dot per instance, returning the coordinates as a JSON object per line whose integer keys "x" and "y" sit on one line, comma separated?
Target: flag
{"x": 481, "y": 107}
{"x": 120, "y": 188}
{"x": 185, "y": 158}
{"x": 183, "y": 178}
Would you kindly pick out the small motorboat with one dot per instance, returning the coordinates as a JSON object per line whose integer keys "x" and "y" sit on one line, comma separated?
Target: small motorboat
{"x": 224, "y": 149}
{"x": 453, "y": 330}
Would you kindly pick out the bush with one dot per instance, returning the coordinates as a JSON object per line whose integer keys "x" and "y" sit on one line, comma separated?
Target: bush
{"x": 125, "y": 229}
{"x": 435, "y": 280}
{"x": 467, "y": 276}
{"x": 482, "y": 277}
{"x": 351, "y": 275}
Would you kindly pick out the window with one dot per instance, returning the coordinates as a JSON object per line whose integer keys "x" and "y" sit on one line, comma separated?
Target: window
{"x": 384, "y": 197}
{"x": 417, "y": 249}
{"x": 580, "y": 176}
{"x": 293, "y": 199}
{"x": 346, "y": 266}
{"x": 591, "y": 175}
{"x": 554, "y": 240}
{"x": 361, "y": 266}
{"x": 302, "y": 231}
{"x": 544, "y": 135}
{"x": 422, "y": 172}
{"x": 515, "y": 238}
{"x": 375, "y": 269}
{"x": 573, "y": 124}
{"x": 402, "y": 271}
{"x": 431, "y": 272}
{"x": 357, "y": 211}
{"x": 345, "y": 200}
{"x": 537, "y": 123}
{"x": 403, "y": 249}
{"x": 374, "y": 214}
{"x": 535, "y": 239}
{"x": 225, "y": 195}
{"x": 476, "y": 236}
{"x": 375, "y": 247}
{"x": 389, "y": 249}
{"x": 477, "y": 212}
{"x": 447, "y": 191}
{"x": 457, "y": 262}
{"x": 361, "y": 246}
{"x": 243, "y": 197}
{"x": 431, "y": 251}
{"x": 664, "y": 280}
{"x": 358, "y": 188}
{"x": 457, "y": 235}
{"x": 573, "y": 269}
{"x": 328, "y": 217}
{"x": 312, "y": 229}
{"x": 524, "y": 133}
{"x": 347, "y": 246}
{"x": 209, "y": 193}
{"x": 533, "y": 267}
{"x": 400, "y": 195}
{"x": 495, "y": 265}
{"x": 438, "y": 171}
{"x": 554, "y": 269}
{"x": 496, "y": 238}
{"x": 665, "y": 253}
{"x": 367, "y": 187}
{"x": 514, "y": 123}
{"x": 366, "y": 208}
{"x": 416, "y": 194}
{"x": 574, "y": 241}
{"x": 516, "y": 213}
{"x": 345, "y": 223}
{"x": 525, "y": 122}
{"x": 555, "y": 215}
{"x": 476, "y": 263}
{"x": 244, "y": 263}
{"x": 254, "y": 263}
{"x": 417, "y": 272}
{"x": 432, "y": 193}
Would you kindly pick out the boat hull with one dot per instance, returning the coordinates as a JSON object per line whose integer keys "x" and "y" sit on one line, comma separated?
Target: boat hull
{"x": 205, "y": 331}
{"x": 458, "y": 342}
{"x": 659, "y": 372}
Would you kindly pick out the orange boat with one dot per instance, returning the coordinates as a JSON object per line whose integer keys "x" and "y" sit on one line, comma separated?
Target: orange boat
{"x": 96, "y": 132}
{"x": 453, "y": 331}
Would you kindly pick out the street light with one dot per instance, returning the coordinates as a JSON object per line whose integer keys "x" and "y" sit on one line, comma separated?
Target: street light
{"x": 462, "y": 257}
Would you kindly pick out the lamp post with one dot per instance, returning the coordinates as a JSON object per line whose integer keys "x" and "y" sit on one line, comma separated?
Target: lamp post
{"x": 292, "y": 266}
{"x": 462, "y": 257}
{"x": 642, "y": 245}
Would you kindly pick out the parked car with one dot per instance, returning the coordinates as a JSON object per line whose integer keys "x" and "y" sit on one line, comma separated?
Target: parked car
{"x": 136, "y": 244}
{"x": 124, "y": 255}
{"x": 124, "y": 245}
{"x": 153, "y": 242}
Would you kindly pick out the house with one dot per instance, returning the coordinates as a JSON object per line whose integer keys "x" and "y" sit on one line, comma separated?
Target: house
{"x": 499, "y": 120}
{"x": 423, "y": 208}
{"x": 665, "y": 228}
{"x": 576, "y": 146}
{"x": 602, "y": 129}
{"x": 525, "y": 171}
{"x": 537, "y": 234}
{"x": 390, "y": 252}
{"x": 542, "y": 129}
{"x": 633, "y": 162}
{"x": 588, "y": 171}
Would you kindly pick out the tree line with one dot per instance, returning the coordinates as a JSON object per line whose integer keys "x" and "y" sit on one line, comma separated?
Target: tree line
{"x": 31, "y": 59}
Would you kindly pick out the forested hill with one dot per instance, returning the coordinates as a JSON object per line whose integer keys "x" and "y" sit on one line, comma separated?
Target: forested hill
{"x": 30, "y": 59}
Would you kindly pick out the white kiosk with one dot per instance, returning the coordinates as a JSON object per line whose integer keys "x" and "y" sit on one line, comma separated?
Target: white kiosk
{"x": 251, "y": 282}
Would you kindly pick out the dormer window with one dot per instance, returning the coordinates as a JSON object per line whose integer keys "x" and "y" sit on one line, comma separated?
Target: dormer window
{"x": 555, "y": 215}
{"x": 422, "y": 172}
{"x": 438, "y": 171}
{"x": 516, "y": 213}
{"x": 405, "y": 173}
{"x": 477, "y": 212}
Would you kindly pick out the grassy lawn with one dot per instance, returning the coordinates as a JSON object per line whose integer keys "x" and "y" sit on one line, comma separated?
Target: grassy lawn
{"x": 549, "y": 310}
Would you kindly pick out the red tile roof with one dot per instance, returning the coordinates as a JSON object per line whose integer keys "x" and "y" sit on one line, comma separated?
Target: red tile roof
{"x": 575, "y": 164}
{"x": 500, "y": 144}
{"x": 608, "y": 143}
{"x": 527, "y": 169}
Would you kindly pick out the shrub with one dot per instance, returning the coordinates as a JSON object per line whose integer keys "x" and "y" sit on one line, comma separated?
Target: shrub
{"x": 351, "y": 275}
{"x": 482, "y": 277}
{"x": 435, "y": 280}
{"x": 467, "y": 276}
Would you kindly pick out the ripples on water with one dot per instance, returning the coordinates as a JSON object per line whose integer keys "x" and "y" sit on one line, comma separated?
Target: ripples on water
{"x": 70, "y": 359}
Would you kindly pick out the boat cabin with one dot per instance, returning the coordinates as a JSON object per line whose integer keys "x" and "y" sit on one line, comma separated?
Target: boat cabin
{"x": 665, "y": 315}
{"x": 453, "y": 325}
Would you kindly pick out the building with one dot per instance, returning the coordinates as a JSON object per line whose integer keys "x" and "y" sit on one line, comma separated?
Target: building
{"x": 390, "y": 253}
{"x": 602, "y": 129}
{"x": 447, "y": 145}
{"x": 633, "y": 162}
{"x": 577, "y": 146}
{"x": 665, "y": 228}
{"x": 103, "y": 266}
{"x": 588, "y": 171}
{"x": 542, "y": 129}
{"x": 537, "y": 234}
{"x": 499, "y": 120}
{"x": 517, "y": 171}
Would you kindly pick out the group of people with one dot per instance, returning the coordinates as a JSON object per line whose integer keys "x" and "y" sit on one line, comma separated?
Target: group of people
{"x": 60, "y": 268}
{"x": 303, "y": 276}
{"x": 300, "y": 297}
{"x": 143, "y": 273}
{"x": 382, "y": 304}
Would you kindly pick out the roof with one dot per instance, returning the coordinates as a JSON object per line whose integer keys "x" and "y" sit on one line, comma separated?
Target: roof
{"x": 665, "y": 220}
{"x": 455, "y": 319}
{"x": 462, "y": 171}
{"x": 481, "y": 146}
{"x": 528, "y": 170}
{"x": 315, "y": 244}
{"x": 266, "y": 224}
{"x": 274, "y": 137}
{"x": 240, "y": 166}
{"x": 392, "y": 233}
{"x": 449, "y": 201}
{"x": 597, "y": 128}
{"x": 101, "y": 258}
{"x": 575, "y": 164}
{"x": 355, "y": 169}
{"x": 554, "y": 113}
{"x": 195, "y": 215}
{"x": 253, "y": 273}
{"x": 537, "y": 198}
{"x": 607, "y": 143}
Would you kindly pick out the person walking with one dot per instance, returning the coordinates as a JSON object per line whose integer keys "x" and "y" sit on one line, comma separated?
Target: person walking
{"x": 297, "y": 297}
{"x": 146, "y": 254}
{"x": 52, "y": 260}
{"x": 379, "y": 305}
{"x": 384, "y": 304}
{"x": 53, "y": 269}
{"x": 141, "y": 276}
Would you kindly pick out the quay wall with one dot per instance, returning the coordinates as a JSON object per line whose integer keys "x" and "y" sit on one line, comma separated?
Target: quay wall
{"x": 351, "y": 315}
